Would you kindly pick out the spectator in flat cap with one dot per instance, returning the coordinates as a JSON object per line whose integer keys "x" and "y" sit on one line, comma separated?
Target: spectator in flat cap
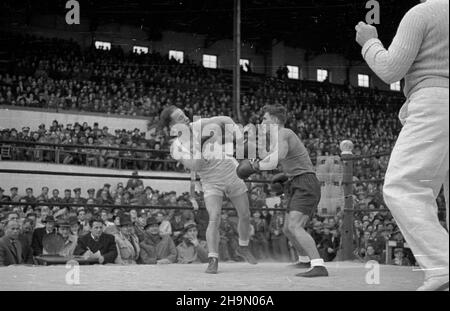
{"x": 15, "y": 197}
{"x": 29, "y": 197}
{"x": 67, "y": 196}
{"x": 97, "y": 242}
{"x": 157, "y": 249}
{"x": 127, "y": 243}
{"x": 40, "y": 233}
{"x": 3, "y": 197}
{"x": 77, "y": 197}
{"x": 91, "y": 194}
{"x": 177, "y": 225}
{"x": 191, "y": 250}
{"x": 43, "y": 197}
{"x": 75, "y": 227}
{"x": 133, "y": 183}
{"x": 55, "y": 197}
{"x": 70, "y": 240}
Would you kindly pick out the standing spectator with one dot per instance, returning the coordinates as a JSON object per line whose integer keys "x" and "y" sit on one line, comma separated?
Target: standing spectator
{"x": 191, "y": 250}
{"x": 97, "y": 241}
{"x": 157, "y": 248}
{"x": 177, "y": 225}
{"x": 10, "y": 247}
{"x": 127, "y": 243}
{"x": 135, "y": 182}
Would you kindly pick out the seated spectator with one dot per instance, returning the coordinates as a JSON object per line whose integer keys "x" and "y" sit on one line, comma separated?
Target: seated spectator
{"x": 55, "y": 197}
{"x": 399, "y": 258}
{"x": 40, "y": 233}
{"x": 75, "y": 227}
{"x": 70, "y": 240}
{"x": 127, "y": 243}
{"x": 370, "y": 255}
{"x": 191, "y": 250}
{"x": 164, "y": 224}
{"x": 157, "y": 248}
{"x": 177, "y": 225}
{"x": 97, "y": 241}
{"x": 43, "y": 197}
{"x": 114, "y": 228}
{"x": 133, "y": 183}
{"x": 4, "y": 198}
{"x": 259, "y": 242}
{"x": 278, "y": 239}
{"x": 10, "y": 247}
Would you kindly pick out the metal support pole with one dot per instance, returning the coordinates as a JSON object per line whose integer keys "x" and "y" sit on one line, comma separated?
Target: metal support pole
{"x": 236, "y": 61}
{"x": 347, "y": 226}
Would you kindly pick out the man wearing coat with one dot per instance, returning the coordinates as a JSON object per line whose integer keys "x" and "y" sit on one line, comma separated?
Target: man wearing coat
{"x": 10, "y": 247}
{"x": 127, "y": 243}
{"x": 40, "y": 233}
{"x": 97, "y": 241}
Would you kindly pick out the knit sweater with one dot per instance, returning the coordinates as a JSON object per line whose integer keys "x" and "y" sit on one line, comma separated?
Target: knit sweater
{"x": 419, "y": 51}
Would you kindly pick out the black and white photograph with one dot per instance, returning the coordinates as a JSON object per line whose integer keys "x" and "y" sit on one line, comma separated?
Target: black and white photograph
{"x": 243, "y": 149}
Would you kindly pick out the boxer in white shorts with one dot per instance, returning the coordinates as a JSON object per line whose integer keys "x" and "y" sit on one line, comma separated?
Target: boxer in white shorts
{"x": 218, "y": 178}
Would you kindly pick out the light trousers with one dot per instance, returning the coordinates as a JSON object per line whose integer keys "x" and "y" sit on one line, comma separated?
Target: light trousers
{"x": 418, "y": 167}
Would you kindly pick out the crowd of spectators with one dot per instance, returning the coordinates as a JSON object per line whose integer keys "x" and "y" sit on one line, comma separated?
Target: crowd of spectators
{"x": 154, "y": 220}
{"x": 58, "y": 74}
{"x": 144, "y": 153}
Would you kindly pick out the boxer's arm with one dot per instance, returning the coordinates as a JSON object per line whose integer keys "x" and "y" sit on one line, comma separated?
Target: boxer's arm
{"x": 279, "y": 152}
{"x": 393, "y": 64}
{"x": 185, "y": 157}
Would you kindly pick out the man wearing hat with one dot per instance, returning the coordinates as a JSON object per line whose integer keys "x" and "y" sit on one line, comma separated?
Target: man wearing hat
{"x": 40, "y": 233}
{"x": 191, "y": 250}
{"x": 15, "y": 197}
{"x": 29, "y": 198}
{"x": 91, "y": 195}
{"x": 127, "y": 243}
{"x": 70, "y": 240}
{"x": 55, "y": 197}
{"x": 4, "y": 198}
{"x": 78, "y": 199}
{"x": 106, "y": 188}
{"x": 156, "y": 248}
{"x": 67, "y": 196}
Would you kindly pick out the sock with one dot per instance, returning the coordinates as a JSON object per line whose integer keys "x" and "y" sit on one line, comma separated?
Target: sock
{"x": 243, "y": 243}
{"x": 215, "y": 255}
{"x": 317, "y": 262}
{"x": 303, "y": 259}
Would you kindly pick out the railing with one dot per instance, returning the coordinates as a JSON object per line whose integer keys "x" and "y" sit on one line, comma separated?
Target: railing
{"x": 78, "y": 154}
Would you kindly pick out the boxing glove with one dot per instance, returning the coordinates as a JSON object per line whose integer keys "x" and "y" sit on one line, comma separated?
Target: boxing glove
{"x": 278, "y": 182}
{"x": 246, "y": 168}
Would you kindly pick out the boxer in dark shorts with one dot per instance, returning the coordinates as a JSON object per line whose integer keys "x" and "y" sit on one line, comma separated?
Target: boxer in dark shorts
{"x": 300, "y": 185}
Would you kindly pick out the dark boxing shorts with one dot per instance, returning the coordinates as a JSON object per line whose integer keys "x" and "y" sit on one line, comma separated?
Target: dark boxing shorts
{"x": 303, "y": 194}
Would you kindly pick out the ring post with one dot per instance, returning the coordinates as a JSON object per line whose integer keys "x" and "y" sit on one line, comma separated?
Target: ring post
{"x": 346, "y": 147}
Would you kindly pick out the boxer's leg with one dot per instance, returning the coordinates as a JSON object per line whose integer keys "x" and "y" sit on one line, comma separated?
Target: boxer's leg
{"x": 213, "y": 204}
{"x": 237, "y": 192}
{"x": 417, "y": 169}
{"x": 302, "y": 255}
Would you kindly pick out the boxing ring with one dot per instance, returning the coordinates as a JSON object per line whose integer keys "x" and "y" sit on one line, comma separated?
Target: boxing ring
{"x": 345, "y": 274}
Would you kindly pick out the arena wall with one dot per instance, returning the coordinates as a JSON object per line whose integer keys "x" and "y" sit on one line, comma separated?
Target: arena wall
{"x": 36, "y": 182}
